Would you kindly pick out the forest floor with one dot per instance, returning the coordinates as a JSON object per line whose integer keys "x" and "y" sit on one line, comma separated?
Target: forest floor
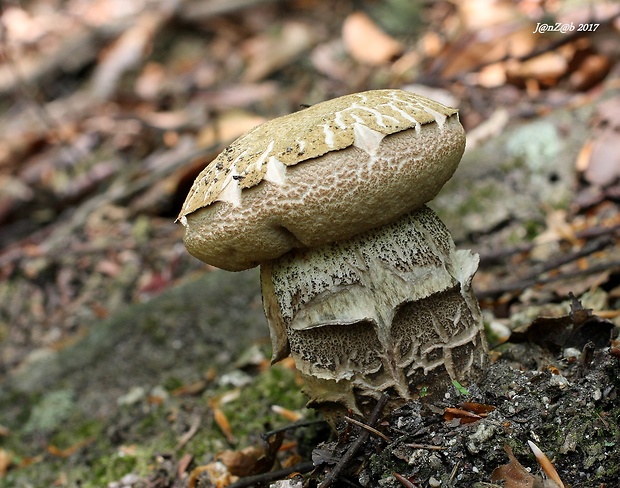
{"x": 125, "y": 362}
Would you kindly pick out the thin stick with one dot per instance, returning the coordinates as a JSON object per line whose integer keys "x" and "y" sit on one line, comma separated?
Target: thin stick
{"x": 370, "y": 429}
{"x": 296, "y": 425}
{"x": 427, "y": 447}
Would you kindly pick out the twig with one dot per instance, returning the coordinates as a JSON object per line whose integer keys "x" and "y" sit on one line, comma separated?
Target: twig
{"x": 296, "y": 425}
{"x": 454, "y": 470}
{"x": 427, "y": 446}
{"x": 403, "y": 481}
{"x": 492, "y": 257}
{"x": 370, "y": 429}
{"x": 534, "y": 277}
{"x": 359, "y": 442}
{"x": 526, "y": 283}
{"x": 586, "y": 250}
{"x": 193, "y": 428}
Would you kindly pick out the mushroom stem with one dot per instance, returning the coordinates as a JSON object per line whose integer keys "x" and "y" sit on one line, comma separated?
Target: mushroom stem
{"x": 389, "y": 310}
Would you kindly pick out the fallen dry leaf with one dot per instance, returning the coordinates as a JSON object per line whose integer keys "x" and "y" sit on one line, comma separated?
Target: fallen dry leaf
{"x": 286, "y": 413}
{"x": 546, "y": 465}
{"x": 215, "y": 473}
{"x": 195, "y": 388}
{"x": 480, "y": 14}
{"x": 464, "y": 416}
{"x": 222, "y": 422}
{"x": 478, "y": 408}
{"x": 593, "y": 69}
{"x": 69, "y": 451}
{"x": 545, "y": 69}
{"x": 6, "y": 460}
{"x": 403, "y": 481}
{"x": 604, "y": 165}
{"x": 228, "y": 126}
{"x": 513, "y": 474}
{"x": 241, "y": 463}
{"x": 599, "y": 158}
{"x": 366, "y": 42}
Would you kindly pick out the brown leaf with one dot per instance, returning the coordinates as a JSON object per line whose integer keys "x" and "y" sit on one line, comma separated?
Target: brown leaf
{"x": 195, "y": 388}
{"x": 228, "y": 126}
{"x": 464, "y": 416}
{"x": 403, "y": 481}
{"x": 241, "y": 463}
{"x": 289, "y": 415}
{"x": 222, "y": 422}
{"x": 604, "y": 165}
{"x": 546, "y": 464}
{"x": 477, "y": 408}
{"x": 513, "y": 474}
{"x": 272, "y": 446}
{"x": 69, "y": 451}
{"x": 481, "y": 14}
{"x": 546, "y": 69}
{"x": 366, "y": 42}
{"x": 591, "y": 71}
{"x": 215, "y": 473}
{"x": 6, "y": 460}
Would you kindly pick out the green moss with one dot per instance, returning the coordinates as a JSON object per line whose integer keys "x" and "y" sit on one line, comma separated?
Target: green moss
{"x": 115, "y": 467}
{"x": 532, "y": 228}
{"x": 75, "y": 432}
{"x": 251, "y": 413}
{"x": 172, "y": 383}
{"x": 399, "y": 17}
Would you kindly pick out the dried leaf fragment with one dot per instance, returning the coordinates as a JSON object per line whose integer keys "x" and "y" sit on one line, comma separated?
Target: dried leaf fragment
{"x": 403, "y": 481}
{"x": 221, "y": 420}
{"x": 513, "y": 474}
{"x": 69, "y": 451}
{"x": 464, "y": 416}
{"x": 241, "y": 463}
{"x": 216, "y": 473}
{"x": 290, "y": 415}
{"x": 6, "y": 460}
{"x": 481, "y": 409}
{"x": 545, "y": 464}
{"x": 366, "y": 42}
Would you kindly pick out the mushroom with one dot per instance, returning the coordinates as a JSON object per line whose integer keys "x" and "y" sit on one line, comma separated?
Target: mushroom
{"x": 361, "y": 281}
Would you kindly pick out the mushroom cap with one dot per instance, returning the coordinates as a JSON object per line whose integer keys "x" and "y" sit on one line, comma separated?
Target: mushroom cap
{"x": 320, "y": 175}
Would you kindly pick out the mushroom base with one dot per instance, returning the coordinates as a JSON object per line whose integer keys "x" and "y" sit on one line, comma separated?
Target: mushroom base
{"x": 388, "y": 311}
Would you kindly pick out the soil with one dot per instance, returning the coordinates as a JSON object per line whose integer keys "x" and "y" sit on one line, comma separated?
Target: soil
{"x": 571, "y": 413}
